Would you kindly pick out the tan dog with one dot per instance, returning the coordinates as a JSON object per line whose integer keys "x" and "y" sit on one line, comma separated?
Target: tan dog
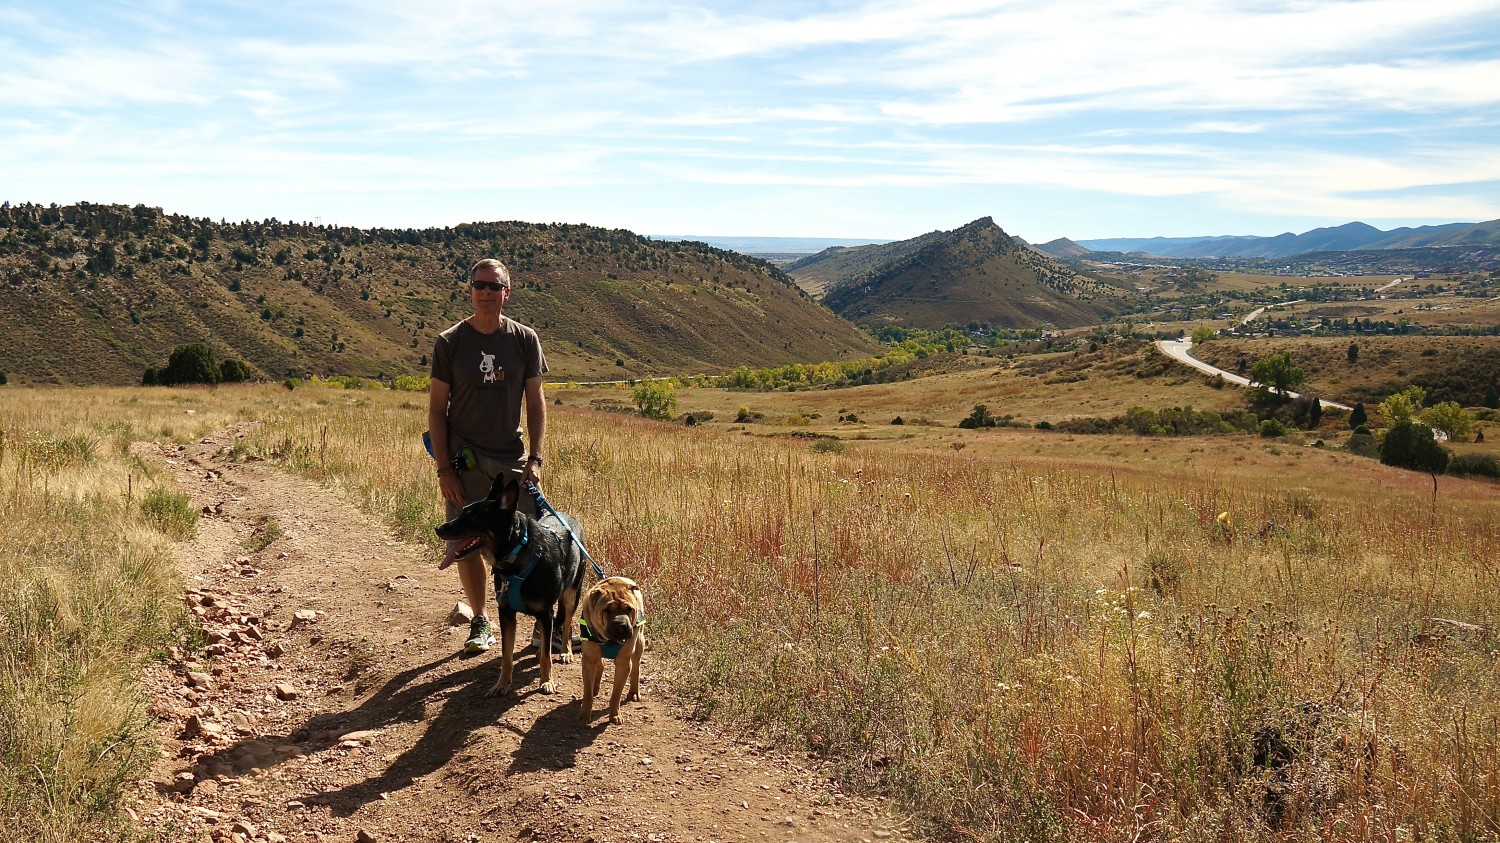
{"x": 612, "y": 613}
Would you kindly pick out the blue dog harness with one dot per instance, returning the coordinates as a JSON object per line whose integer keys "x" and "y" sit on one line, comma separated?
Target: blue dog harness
{"x": 609, "y": 648}
{"x": 514, "y": 582}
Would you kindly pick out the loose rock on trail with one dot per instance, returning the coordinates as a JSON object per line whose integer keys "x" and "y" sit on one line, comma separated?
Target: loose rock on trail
{"x": 328, "y": 702}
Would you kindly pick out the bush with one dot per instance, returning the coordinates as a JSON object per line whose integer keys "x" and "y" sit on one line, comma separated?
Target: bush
{"x": 1476, "y": 465}
{"x": 291, "y": 383}
{"x": 979, "y": 418}
{"x": 1410, "y": 445}
{"x": 1271, "y": 428}
{"x": 191, "y": 363}
{"x": 235, "y": 371}
{"x": 3, "y": 379}
{"x": 1358, "y": 416}
{"x": 898, "y": 420}
{"x": 1362, "y": 443}
{"x": 656, "y": 400}
{"x": 1043, "y": 425}
{"x": 415, "y": 383}
{"x": 828, "y": 446}
{"x": 171, "y": 513}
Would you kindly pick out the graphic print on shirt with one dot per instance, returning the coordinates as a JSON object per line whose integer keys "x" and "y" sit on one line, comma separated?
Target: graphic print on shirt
{"x": 487, "y": 366}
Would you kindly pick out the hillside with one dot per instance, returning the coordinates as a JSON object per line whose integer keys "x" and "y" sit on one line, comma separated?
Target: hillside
{"x": 973, "y": 274}
{"x": 1062, "y": 247}
{"x": 832, "y": 266}
{"x": 96, "y": 293}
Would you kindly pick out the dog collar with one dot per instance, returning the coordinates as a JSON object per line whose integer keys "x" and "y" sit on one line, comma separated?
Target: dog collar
{"x": 609, "y": 648}
{"x": 520, "y": 545}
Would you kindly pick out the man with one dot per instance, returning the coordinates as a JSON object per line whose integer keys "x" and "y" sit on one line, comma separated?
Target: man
{"x": 483, "y": 369}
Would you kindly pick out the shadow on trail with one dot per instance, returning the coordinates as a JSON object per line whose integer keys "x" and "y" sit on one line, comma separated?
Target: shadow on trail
{"x": 550, "y": 743}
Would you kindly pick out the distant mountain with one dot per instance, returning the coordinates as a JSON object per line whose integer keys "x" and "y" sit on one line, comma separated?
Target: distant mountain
{"x": 759, "y": 246}
{"x": 96, "y": 293}
{"x": 1062, "y": 247}
{"x": 1352, "y": 236}
{"x": 976, "y": 273}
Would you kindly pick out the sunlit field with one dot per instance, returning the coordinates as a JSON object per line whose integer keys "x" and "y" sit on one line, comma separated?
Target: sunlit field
{"x": 1017, "y": 634}
{"x": 87, "y": 593}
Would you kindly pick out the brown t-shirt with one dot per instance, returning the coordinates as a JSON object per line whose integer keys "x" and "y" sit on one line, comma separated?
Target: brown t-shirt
{"x": 486, "y": 376}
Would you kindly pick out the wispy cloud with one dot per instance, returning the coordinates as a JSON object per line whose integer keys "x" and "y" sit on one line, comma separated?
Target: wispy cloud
{"x": 1276, "y": 110}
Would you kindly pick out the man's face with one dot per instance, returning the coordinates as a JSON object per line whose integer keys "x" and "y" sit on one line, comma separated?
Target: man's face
{"x": 481, "y": 293}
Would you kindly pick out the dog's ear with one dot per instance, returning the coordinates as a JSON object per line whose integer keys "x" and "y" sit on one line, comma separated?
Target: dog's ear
{"x": 634, "y": 587}
{"x": 505, "y": 490}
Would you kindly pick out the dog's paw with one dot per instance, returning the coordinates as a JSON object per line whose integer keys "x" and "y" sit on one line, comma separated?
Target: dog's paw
{"x": 499, "y": 689}
{"x": 615, "y": 719}
{"x": 549, "y": 687}
{"x": 565, "y": 658}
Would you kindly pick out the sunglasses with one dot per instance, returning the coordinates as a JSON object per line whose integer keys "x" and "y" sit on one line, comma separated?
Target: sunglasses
{"x": 496, "y": 286}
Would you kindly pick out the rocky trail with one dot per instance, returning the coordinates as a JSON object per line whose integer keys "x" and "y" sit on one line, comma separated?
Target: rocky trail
{"x": 329, "y": 703}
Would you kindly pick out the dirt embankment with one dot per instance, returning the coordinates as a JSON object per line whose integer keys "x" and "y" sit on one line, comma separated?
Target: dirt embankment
{"x": 329, "y": 703}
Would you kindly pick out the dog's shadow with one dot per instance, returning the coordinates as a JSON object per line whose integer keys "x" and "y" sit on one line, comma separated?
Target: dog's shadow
{"x": 551, "y": 743}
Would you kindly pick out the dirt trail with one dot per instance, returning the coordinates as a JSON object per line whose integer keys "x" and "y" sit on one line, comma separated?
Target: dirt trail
{"x": 360, "y": 722}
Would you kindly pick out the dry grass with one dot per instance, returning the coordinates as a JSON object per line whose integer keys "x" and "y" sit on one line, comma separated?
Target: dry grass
{"x": 1045, "y": 648}
{"x": 87, "y": 592}
{"x": 1034, "y": 636}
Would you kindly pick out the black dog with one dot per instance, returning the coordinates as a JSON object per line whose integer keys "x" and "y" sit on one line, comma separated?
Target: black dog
{"x": 537, "y": 568}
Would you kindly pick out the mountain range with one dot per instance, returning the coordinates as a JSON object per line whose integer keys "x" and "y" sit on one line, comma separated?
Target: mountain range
{"x": 1352, "y": 236}
{"x": 97, "y": 293}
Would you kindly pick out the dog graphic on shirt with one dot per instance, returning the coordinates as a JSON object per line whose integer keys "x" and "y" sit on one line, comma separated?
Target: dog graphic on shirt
{"x": 487, "y": 365}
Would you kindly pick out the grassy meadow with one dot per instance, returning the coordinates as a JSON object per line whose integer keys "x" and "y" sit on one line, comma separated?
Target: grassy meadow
{"x": 1018, "y": 634}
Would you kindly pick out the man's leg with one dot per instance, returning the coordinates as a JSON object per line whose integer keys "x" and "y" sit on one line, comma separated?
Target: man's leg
{"x": 473, "y": 573}
{"x": 473, "y": 576}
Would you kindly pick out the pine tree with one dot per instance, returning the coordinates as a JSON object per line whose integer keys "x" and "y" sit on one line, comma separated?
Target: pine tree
{"x": 1358, "y": 416}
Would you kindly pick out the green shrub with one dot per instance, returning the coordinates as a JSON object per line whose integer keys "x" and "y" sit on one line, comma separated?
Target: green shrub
{"x": 1271, "y": 428}
{"x": 656, "y": 399}
{"x": 171, "y": 513}
{"x": 291, "y": 383}
{"x": 191, "y": 363}
{"x": 235, "y": 371}
{"x": 1361, "y": 442}
{"x": 828, "y": 446}
{"x": 1477, "y": 465}
{"x": 1411, "y": 445}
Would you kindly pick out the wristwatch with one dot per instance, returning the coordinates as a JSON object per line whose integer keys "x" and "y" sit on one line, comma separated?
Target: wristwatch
{"x": 536, "y": 458}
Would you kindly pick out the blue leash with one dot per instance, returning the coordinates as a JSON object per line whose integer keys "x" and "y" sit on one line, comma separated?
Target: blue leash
{"x": 541, "y": 504}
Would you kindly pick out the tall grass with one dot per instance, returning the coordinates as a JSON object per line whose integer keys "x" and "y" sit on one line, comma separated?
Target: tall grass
{"x": 1022, "y": 649}
{"x": 1017, "y": 647}
{"x": 87, "y": 593}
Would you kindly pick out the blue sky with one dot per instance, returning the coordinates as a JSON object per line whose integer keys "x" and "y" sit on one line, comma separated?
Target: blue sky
{"x": 814, "y": 119}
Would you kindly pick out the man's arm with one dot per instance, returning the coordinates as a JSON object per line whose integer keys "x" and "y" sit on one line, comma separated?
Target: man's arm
{"x": 536, "y": 427}
{"x": 437, "y": 429}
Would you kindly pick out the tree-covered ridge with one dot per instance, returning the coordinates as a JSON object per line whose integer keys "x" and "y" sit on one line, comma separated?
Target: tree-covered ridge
{"x": 121, "y": 287}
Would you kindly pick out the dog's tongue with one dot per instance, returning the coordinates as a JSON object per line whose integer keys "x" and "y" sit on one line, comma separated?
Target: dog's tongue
{"x": 456, "y": 551}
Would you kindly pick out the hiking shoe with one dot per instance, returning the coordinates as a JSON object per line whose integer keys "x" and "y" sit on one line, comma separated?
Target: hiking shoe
{"x": 481, "y": 638}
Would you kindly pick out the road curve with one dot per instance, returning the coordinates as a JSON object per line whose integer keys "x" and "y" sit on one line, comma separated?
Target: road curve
{"x": 1180, "y": 349}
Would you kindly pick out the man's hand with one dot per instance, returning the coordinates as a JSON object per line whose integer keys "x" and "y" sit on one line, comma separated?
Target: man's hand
{"x": 451, "y": 487}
